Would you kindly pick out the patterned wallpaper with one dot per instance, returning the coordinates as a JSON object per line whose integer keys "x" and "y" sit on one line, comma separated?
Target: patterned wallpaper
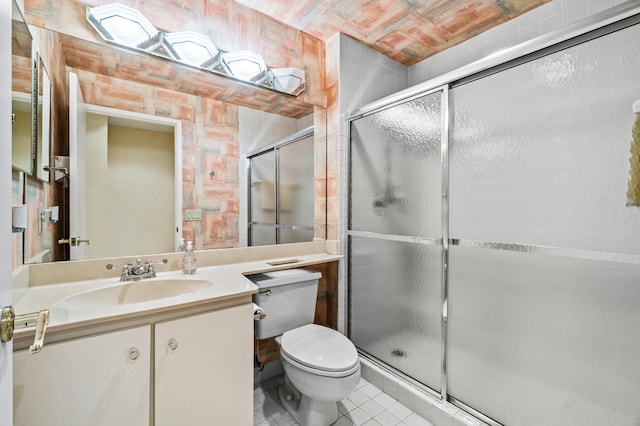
{"x": 407, "y": 31}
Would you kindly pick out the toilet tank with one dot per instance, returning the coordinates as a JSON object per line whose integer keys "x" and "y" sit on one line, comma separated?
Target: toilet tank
{"x": 288, "y": 298}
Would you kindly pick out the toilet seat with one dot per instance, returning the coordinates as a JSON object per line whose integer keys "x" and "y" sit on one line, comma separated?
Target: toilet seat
{"x": 320, "y": 350}
{"x": 317, "y": 371}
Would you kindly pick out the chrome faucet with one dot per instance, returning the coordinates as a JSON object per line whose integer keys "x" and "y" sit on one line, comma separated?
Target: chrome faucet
{"x": 138, "y": 271}
{"x": 139, "y": 268}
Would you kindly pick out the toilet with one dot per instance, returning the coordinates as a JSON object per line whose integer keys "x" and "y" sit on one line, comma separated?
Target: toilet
{"x": 321, "y": 365}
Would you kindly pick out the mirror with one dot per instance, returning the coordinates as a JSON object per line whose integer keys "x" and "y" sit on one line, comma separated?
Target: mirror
{"x": 21, "y": 90}
{"x": 43, "y": 123}
{"x": 216, "y": 134}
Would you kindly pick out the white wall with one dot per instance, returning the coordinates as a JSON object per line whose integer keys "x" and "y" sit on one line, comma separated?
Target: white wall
{"x": 365, "y": 75}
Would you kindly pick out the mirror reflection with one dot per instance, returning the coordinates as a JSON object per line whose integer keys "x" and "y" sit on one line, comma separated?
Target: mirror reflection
{"x": 21, "y": 87}
{"x": 281, "y": 191}
{"x": 125, "y": 188}
{"x": 105, "y": 193}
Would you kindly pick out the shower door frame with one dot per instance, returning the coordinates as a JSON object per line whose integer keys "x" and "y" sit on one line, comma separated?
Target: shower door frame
{"x": 443, "y": 241}
{"x": 598, "y": 25}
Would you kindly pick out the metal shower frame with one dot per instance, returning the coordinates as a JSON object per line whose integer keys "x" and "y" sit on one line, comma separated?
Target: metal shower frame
{"x": 601, "y": 24}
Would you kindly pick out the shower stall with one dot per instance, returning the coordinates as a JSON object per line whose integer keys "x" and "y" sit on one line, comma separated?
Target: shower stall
{"x": 492, "y": 260}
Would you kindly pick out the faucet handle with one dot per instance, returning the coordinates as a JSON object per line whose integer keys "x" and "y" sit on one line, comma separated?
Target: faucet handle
{"x": 125, "y": 272}
{"x": 150, "y": 264}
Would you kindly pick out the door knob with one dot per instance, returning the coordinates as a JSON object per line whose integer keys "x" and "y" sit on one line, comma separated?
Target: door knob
{"x": 9, "y": 322}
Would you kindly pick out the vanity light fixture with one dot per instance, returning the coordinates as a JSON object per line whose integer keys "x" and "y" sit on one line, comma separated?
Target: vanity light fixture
{"x": 245, "y": 65}
{"x": 127, "y": 27}
{"x": 289, "y": 80}
{"x": 123, "y": 25}
{"x": 194, "y": 49}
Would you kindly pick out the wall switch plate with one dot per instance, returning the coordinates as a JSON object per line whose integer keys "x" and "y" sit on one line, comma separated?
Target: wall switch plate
{"x": 191, "y": 215}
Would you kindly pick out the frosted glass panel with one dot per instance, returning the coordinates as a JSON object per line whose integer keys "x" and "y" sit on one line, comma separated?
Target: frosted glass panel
{"x": 262, "y": 235}
{"x": 296, "y": 183}
{"x": 396, "y": 173}
{"x": 543, "y": 340}
{"x": 540, "y": 152}
{"x": 395, "y": 305}
{"x": 263, "y": 175}
{"x": 294, "y": 236}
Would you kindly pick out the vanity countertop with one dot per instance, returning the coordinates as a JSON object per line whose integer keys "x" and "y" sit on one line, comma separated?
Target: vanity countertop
{"x": 229, "y": 287}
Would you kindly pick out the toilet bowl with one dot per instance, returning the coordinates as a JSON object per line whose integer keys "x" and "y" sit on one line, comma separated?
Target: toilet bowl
{"x": 321, "y": 368}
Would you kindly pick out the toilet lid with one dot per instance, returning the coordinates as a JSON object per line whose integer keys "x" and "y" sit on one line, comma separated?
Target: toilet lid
{"x": 320, "y": 348}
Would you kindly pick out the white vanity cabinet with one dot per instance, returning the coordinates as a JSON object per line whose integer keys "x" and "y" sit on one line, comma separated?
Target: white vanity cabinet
{"x": 99, "y": 380}
{"x": 173, "y": 370}
{"x": 204, "y": 369}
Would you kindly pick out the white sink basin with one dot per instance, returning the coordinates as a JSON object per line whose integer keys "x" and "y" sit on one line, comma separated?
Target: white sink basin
{"x": 132, "y": 292}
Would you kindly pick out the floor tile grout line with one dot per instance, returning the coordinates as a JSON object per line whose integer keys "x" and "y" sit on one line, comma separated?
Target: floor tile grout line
{"x": 270, "y": 412}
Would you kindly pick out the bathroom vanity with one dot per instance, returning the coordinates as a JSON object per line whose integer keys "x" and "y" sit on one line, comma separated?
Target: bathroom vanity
{"x": 183, "y": 359}
{"x": 188, "y": 370}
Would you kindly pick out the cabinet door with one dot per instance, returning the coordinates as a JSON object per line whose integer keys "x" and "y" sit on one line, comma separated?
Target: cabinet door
{"x": 204, "y": 369}
{"x": 101, "y": 380}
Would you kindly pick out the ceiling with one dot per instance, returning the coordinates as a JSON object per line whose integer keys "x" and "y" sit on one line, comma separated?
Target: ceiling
{"x": 407, "y": 31}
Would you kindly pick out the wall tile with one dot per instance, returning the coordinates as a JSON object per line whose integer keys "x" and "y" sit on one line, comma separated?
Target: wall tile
{"x": 549, "y": 17}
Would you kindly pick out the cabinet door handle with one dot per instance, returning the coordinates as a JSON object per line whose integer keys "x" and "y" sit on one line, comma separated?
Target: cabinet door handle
{"x": 10, "y": 321}
{"x": 134, "y": 353}
{"x": 173, "y": 344}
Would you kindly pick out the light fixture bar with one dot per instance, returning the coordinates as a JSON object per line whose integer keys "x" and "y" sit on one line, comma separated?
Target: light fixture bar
{"x": 127, "y": 27}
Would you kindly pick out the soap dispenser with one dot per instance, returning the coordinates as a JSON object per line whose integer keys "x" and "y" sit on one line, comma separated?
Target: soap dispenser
{"x": 182, "y": 247}
{"x": 189, "y": 264}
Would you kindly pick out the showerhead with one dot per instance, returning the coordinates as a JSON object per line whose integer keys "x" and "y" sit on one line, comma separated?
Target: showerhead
{"x": 391, "y": 196}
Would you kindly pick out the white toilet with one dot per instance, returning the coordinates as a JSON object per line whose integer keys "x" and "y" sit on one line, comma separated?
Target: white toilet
{"x": 321, "y": 365}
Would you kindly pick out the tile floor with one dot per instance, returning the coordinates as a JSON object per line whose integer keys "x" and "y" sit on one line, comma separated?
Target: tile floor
{"x": 366, "y": 406}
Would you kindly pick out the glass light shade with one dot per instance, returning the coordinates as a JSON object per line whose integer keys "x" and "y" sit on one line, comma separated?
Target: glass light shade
{"x": 193, "y": 48}
{"x": 289, "y": 80}
{"x": 121, "y": 24}
{"x": 245, "y": 65}
{"x": 127, "y": 27}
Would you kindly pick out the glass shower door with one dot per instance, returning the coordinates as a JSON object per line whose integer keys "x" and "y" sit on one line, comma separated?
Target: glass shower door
{"x": 543, "y": 289}
{"x": 296, "y": 192}
{"x": 395, "y": 232}
{"x": 262, "y": 199}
